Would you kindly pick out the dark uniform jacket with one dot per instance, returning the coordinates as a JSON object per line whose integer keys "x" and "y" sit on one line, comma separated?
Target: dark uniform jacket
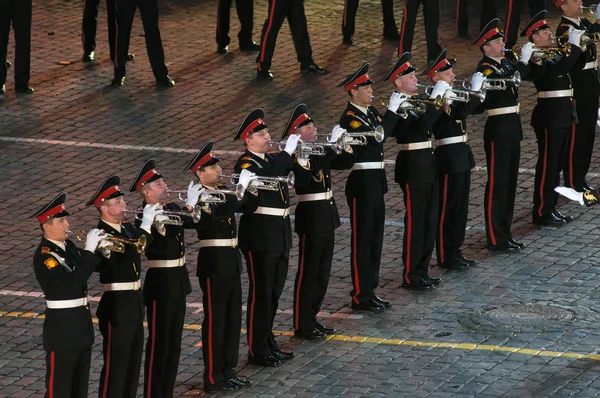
{"x": 502, "y": 128}
{"x": 365, "y": 183}
{"x": 455, "y": 158}
{"x": 552, "y": 75}
{"x": 65, "y": 278}
{"x": 320, "y": 215}
{"x": 417, "y": 166}
{"x": 166, "y": 283}
{"x": 125, "y": 305}
{"x": 585, "y": 81}
{"x": 219, "y": 223}
{"x": 265, "y": 233}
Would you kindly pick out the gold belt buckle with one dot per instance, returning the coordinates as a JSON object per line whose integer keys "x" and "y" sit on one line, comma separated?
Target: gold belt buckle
{"x": 232, "y": 243}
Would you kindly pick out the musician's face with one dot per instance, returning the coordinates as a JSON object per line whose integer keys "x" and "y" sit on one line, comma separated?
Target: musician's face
{"x": 155, "y": 192}
{"x": 307, "y": 133}
{"x": 259, "y": 142}
{"x": 572, "y": 8}
{"x": 494, "y": 48}
{"x": 362, "y": 95}
{"x": 447, "y": 76}
{"x": 210, "y": 175}
{"x": 406, "y": 84}
{"x": 112, "y": 210}
{"x": 56, "y": 228}
{"x": 543, "y": 37}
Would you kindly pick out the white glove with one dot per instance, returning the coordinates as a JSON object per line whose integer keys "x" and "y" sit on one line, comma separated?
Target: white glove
{"x": 571, "y": 194}
{"x": 396, "y": 99}
{"x": 477, "y": 81}
{"x": 101, "y": 248}
{"x": 150, "y": 212}
{"x": 439, "y": 90}
{"x": 526, "y": 52}
{"x": 291, "y": 144}
{"x": 193, "y": 193}
{"x": 93, "y": 238}
{"x": 245, "y": 178}
{"x": 575, "y": 36}
{"x": 336, "y": 133}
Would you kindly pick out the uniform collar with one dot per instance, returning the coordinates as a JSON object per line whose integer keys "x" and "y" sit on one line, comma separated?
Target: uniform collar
{"x": 360, "y": 108}
{"x": 61, "y": 244}
{"x": 258, "y": 155}
{"x": 116, "y": 227}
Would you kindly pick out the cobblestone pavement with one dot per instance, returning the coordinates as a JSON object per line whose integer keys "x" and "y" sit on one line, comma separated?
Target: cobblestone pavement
{"x": 523, "y": 325}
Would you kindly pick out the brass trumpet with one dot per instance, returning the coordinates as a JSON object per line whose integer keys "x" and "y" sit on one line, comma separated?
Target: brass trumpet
{"x": 588, "y": 38}
{"x": 413, "y": 103}
{"x": 589, "y": 10}
{"x": 358, "y": 138}
{"x": 170, "y": 217}
{"x": 546, "y": 52}
{"x": 502, "y": 83}
{"x": 118, "y": 245}
{"x": 305, "y": 149}
{"x": 266, "y": 183}
{"x": 216, "y": 195}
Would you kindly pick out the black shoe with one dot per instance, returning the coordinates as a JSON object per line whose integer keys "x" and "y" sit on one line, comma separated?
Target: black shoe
{"x": 313, "y": 69}
{"x": 3, "y": 89}
{"x": 470, "y": 262}
{"x": 567, "y": 219}
{"x": 370, "y": 305}
{"x": 117, "y": 81}
{"x": 548, "y": 219}
{"x": 250, "y": 46}
{"x": 240, "y": 382}
{"x": 264, "y": 75}
{"x": 586, "y": 186}
{"x": 268, "y": 361}
{"x": 507, "y": 247}
{"x": 130, "y": 57}
{"x": 433, "y": 281}
{"x": 283, "y": 355}
{"x": 324, "y": 329}
{"x": 165, "y": 82}
{"x": 24, "y": 89}
{"x": 88, "y": 58}
{"x": 516, "y": 242}
{"x": 314, "y": 335}
{"x": 385, "y": 304}
{"x": 418, "y": 285}
{"x": 222, "y": 49}
{"x": 348, "y": 39}
{"x": 391, "y": 34}
{"x": 226, "y": 386}
{"x": 454, "y": 263}
{"x": 8, "y": 64}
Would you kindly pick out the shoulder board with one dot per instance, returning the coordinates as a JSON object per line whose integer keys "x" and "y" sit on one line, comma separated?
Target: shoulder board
{"x": 248, "y": 162}
{"x": 50, "y": 263}
{"x": 221, "y": 186}
{"x": 564, "y": 24}
{"x": 45, "y": 250}
{"x": 350, "y": 113}
{"x": 247, "y": 158}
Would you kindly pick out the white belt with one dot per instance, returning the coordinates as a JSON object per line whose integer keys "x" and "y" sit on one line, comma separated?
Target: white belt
{"x": 272, "y": 211}
{"x": 309, "y": 197}
{"x": 555, "y": 93}
{"x": 113, "y": 287}
{"x": 180, "y": 262}
{"x": 504, "y": 111}
{"x": 368, "y": 165}
{"x": 590, "y": 65}
{"x": 453, "y": 140}
{"x": 413, "y": 146}
{"x": 219, "y": 242}
{"x": 61, "y": 304}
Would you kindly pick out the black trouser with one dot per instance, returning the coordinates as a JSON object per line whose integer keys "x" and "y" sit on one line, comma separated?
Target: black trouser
{"x": 367, "y": 218}
{"x": 222, "y": 303}
{"x": 513, "y": 18}
{"x": 17, "y": 12}
{"x": 552, "y": 151}
{"x": 431, "y": 15}
{"x": 90, "y": 22}
{"x": 163, "y": 347}
{"x": 266, "y": 272}
{"x": 122, "y": 349}
{"x": 125, "y": 11}
{"x": 454, "y": 207}
{"x": 278, "y": 11}
{"x": 502, "y": 159}
{"x": 68, "y": 373}
{"x": 488, "y": 12}
{"x": 350, "y": 8}
{"x": 462, "y": 16}
{"x": 312, "y": 278}
{"x": 420, "y": 225}
{"x": 581, "y": 143}
{"x": 245, "y": 12}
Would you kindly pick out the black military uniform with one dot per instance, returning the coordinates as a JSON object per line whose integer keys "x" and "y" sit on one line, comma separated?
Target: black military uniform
{"x": 416, "y": 174}
{"x": 219, "y": 270}
{"x": 68, "y": 335}
{"x": 365, "y": 190}
{"x": 121, "y": 309}
{"x": 586, "y": 89}
{"x": 502, "y": 137}
{"x": 390, "y": 30}
{"x": 316, "y": 220}
{"x": 431, "y": 14}
{"x": 89, "y": 23}
{"x": 166, "y": 285}
{"x": 265, "y": 238}
{"x": 454, "y": 161}
{"x": 245, "y": 12}
{"x": 18, "y": 14}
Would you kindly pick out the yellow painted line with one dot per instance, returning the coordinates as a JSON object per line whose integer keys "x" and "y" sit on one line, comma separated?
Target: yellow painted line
{"x": 379, "y": 340}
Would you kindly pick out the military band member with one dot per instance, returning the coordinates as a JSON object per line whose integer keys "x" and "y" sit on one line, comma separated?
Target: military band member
{"x": 265, "y": 236}
{"x": 121, "y": 309}
{"x": 454, "y": 161}
{"x": 167, "y": 282}
{"x": 219, "y": 270}
{"x": 502, "y": 137}
{"x": 431, "y": 16}
{"x": 586, "y": 89}
{"x": 553, "y": 118}
{"x": 18, "y": 14}
{"x": 365, "y": 189}
{"x": 62, "y": 270}
{"x": 390, "y": 30}
{"x": 416, "y": 174}
{"x": 317, "y": 219}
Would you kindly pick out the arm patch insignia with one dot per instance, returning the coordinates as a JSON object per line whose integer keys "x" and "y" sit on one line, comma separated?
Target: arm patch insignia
{"x": 355, "y": 124}
{"x": 487, "y": 72}
{"x": 50, "y": 263}
{"x": 246, "y": 165}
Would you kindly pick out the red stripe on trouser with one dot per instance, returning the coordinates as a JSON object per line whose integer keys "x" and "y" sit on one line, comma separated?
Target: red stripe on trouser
{"x": 408, "y": 233}
{"x": 544, "y": 164}
{"x": 404, "y": 18}
{"x": 263, "y": 45}
{"x": 490, "y": 197}
{"x": 153, "y": 337}
{"x": 51, "y": 382}
{"x": 210, "y": 332}
{"x": 252, "y": 304}
{"x": 508, "y": 16}
{"x": 107, "y": 362}
{"x": 299, "y": 285}
{"x": 345, "y": 12}
{"x": 571, "y": 151}
{"x": 442, "y": 217}
{"x": 354, "y": 255}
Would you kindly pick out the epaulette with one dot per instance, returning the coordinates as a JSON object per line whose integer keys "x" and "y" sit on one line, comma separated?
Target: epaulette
{"x": 45, "y": 250}
{"x": 247, "y": 158}
{"x": 350, "y": 113}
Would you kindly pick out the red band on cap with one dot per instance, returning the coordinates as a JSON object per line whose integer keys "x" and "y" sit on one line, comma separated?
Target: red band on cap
{"x": 251, "y": 127}
{"x": 437, "y": 67}
{"x": 487, "y": 36}
{"x": 203, "y": 160}
{"x": 301, "y": 119}
{"x": 42, "y": 218}
{"x": 149, "y": 174}
{"x": 535, "y": 27}
{"x": 104, "y": 194}
{"x": 356, "y": 82}
{"x": 399, "y": 71}
{"x": 558, "y": 3}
